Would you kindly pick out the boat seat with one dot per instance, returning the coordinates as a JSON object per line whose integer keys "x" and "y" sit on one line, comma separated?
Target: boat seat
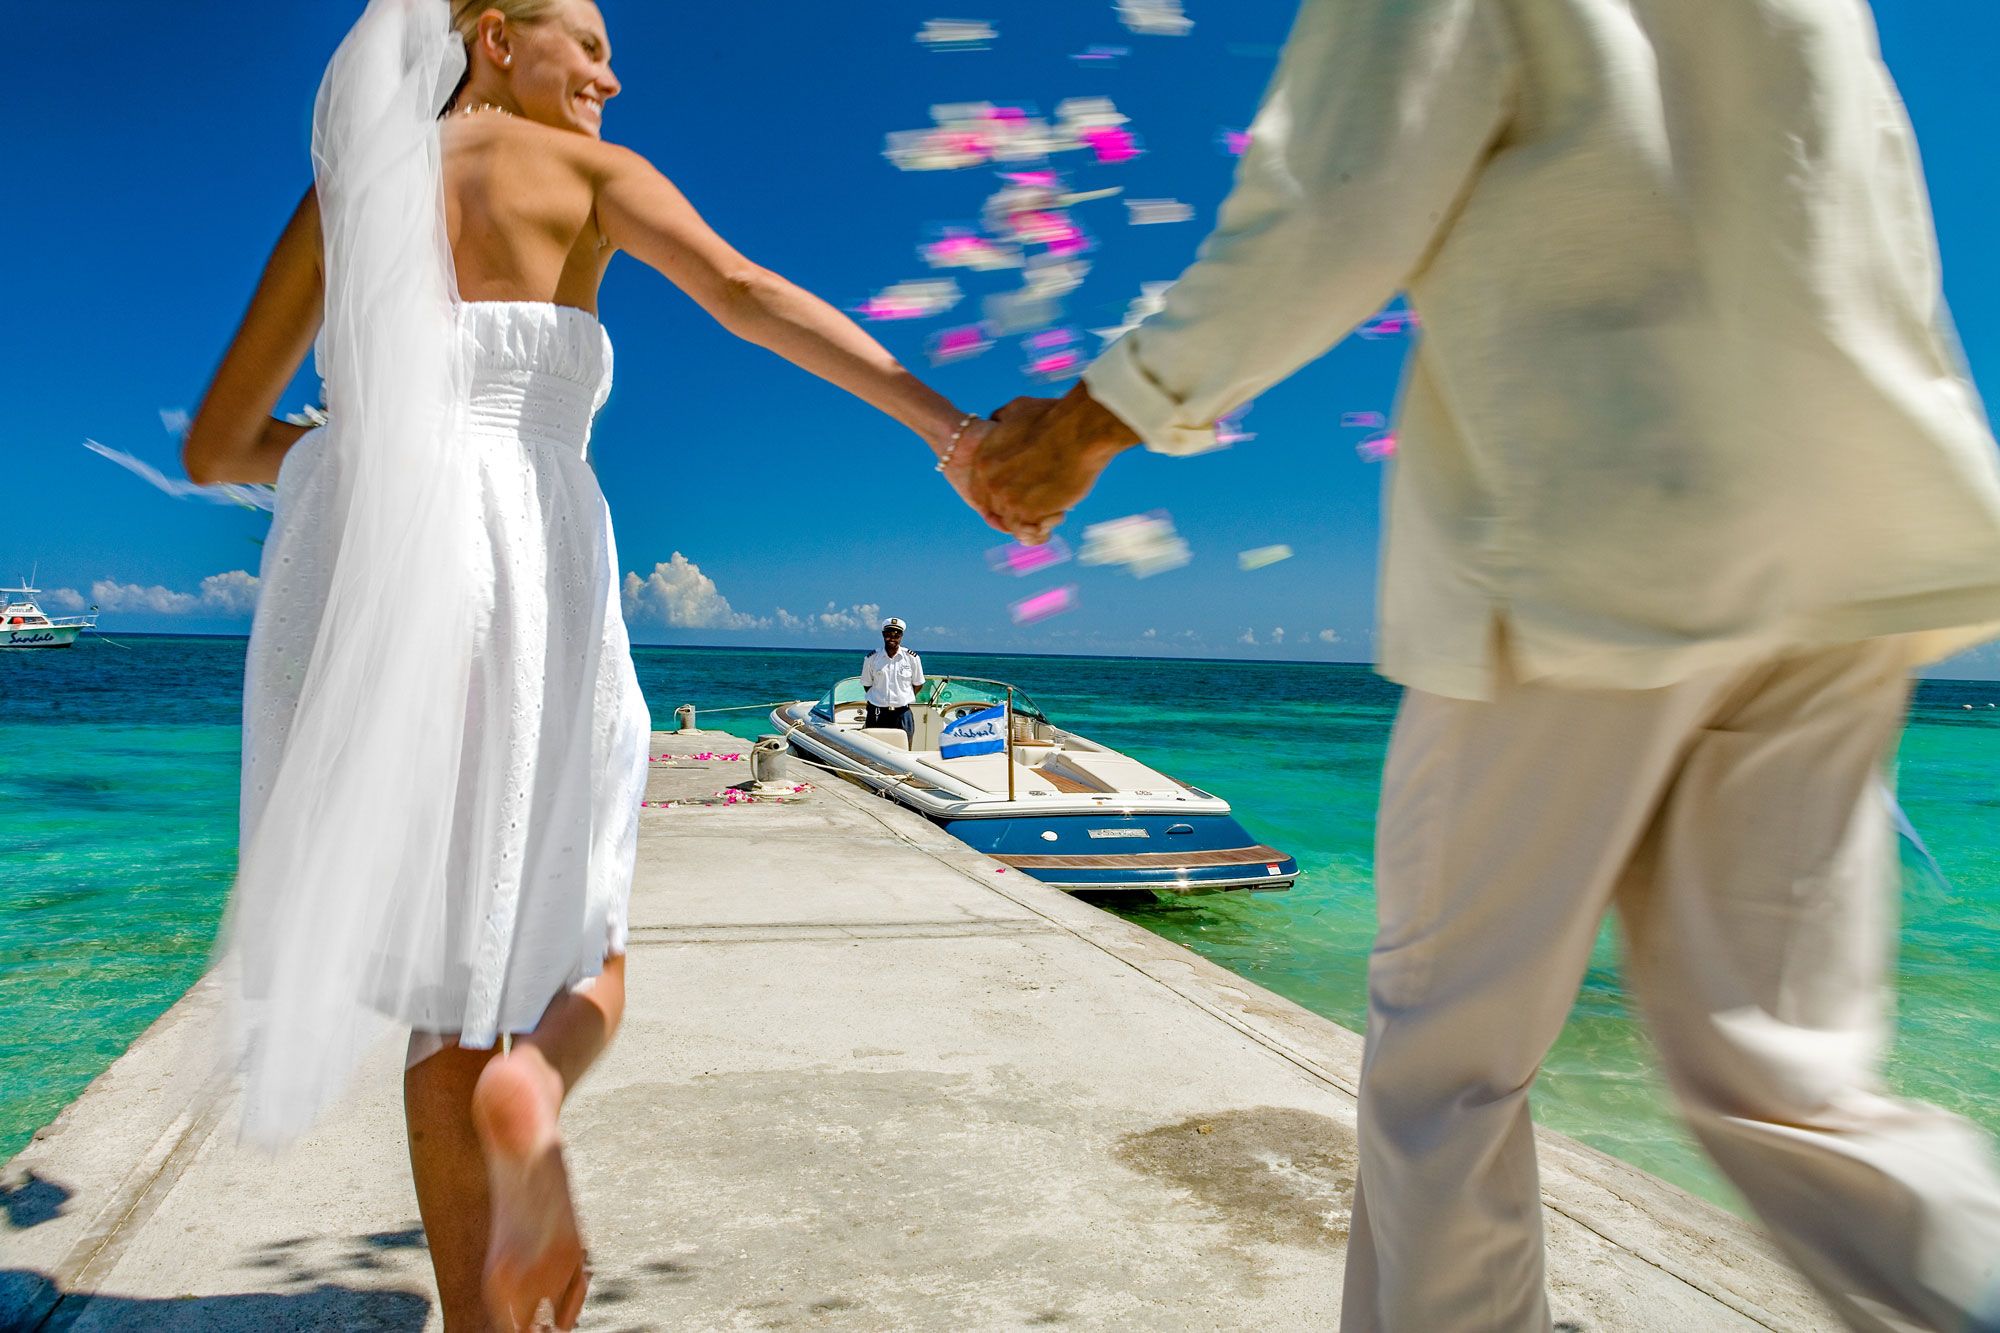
{"x": 893, "y": 737}
{"x": 1115, "y": 772}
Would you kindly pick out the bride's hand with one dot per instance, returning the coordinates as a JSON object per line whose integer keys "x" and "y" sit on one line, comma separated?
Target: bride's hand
{"x": 959, "y": 471}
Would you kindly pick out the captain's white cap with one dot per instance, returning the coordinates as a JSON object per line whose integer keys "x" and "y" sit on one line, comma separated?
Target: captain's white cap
{"x": 895, "y": 623}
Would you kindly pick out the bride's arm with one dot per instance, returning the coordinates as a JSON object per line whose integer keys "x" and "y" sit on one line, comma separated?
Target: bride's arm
{"x": 642, "y": 213}
{"x": 234, "y": 437}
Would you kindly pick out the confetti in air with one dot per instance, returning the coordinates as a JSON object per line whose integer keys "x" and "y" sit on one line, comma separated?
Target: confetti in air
{"x": 1017, "y": 312}
{"x": 1044, "y": 604}
{"x": 1377, "y": 448}
{"x": 1155, "y": 18}
{"x": 1229, "y": 428}
{"x": 1019, "y": 560}
{"x": 1261, "y": 556}
{"x": 1234, "y": 142}
{"x": 970, "y": 134}
{"x": 1101, "y": 55}
{"x": 1362, "y": 421}
{"x": 1146, "y": 544}
{"x": 1111, "y": 143}
{"x": 917, "y": 299}
{"x": 956, "y": 34}
{"x": 960, "y": 344}
{"x": 1391, "y": 324}
{"x": 965, "y": 249}
{"x": 1052, "y": 355}
{"x": 1152, "y": 212}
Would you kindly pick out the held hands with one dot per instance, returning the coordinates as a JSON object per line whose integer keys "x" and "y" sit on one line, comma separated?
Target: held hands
{"x": 1039, "y": 460}
{"x": 959, "y": 470}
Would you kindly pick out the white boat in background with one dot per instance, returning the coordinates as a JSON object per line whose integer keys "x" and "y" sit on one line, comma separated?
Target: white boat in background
{"x": 1069, "y": 811}
{"x": 23, "y": 623}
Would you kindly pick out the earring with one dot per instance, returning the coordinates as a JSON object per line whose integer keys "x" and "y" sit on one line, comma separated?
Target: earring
{"x": 506, "y": 62}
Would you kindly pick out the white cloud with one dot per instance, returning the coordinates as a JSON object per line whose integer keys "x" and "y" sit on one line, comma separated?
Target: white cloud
{"x": 1248, "y": 636}
{"x": 1328, "y": 636}
{"x": 862, "y": 615}
{"x": 678, "y": 594}
{"x": 786, "y": 620}
{"x": 1150, "y": 634}
{"x": 176, "y": 420}
{"x": 232, "y": 594}
{"x": 1278, "y": 634}
{"x": 67, "y": 599}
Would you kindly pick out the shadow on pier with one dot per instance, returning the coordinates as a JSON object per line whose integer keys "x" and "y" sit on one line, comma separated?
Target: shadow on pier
{"x": 326, "y": 1306}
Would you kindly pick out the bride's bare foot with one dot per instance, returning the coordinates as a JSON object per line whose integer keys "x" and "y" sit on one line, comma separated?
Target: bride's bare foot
{"x": 535, "y": 1266}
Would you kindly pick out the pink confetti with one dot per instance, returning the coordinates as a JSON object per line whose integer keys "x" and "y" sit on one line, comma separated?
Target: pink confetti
{"x": 959, "y": 249}
{"x": 1055, "y": 365}
{"x": 1235, "y": 142}
{"x": 1050, "y": 338}
{"x": 1377, "y": 448}
{"x": 1019, "y": 560}
{"x": 1229, "y": 430}
{"x": 1391, "y": 324}
{"x": 960, "y": 344}
{"x": 1042, "y": 605}
{"x": 1110, "y": 143}
{"x": 911, "y": 300}
{"x": 1040, "y": 228}
{"x": 1362, "y": 420}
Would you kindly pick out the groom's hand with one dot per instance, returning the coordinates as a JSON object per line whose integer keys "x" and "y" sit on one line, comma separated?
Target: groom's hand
{"x": 1041, "y": 458}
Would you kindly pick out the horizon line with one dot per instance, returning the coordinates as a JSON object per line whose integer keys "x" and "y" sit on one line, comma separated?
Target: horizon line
{"x": 973, "y": 652}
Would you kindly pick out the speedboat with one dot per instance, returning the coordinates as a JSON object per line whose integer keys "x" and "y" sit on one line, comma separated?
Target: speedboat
{"x": 986, "y": 764}
{"x": 24, "y": 625}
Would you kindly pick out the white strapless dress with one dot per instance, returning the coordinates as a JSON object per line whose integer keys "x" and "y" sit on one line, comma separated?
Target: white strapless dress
{"x": 554, "y": 761}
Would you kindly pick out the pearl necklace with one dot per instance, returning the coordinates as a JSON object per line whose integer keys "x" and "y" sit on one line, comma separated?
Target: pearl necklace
{"x": 477, "y": 107}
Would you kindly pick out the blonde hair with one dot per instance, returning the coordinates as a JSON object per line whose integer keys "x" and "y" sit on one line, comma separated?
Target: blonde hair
{"x": 465, "y": 14}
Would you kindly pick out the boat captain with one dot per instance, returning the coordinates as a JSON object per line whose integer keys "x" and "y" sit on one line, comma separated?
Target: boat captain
{"x": 892, "y": 675}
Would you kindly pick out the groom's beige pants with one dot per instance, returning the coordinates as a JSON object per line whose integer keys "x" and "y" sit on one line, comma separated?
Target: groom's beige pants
{"x": 1737, "y": 821}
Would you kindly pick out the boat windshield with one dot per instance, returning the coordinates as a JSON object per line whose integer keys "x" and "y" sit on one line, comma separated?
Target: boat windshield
{"x": 848, "y": 691}
{"x": 948, "y": 690}
{"x": 936, "y": 691}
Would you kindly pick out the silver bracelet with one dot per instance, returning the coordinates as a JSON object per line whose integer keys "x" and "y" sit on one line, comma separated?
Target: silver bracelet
{"x": 951, "y": 445}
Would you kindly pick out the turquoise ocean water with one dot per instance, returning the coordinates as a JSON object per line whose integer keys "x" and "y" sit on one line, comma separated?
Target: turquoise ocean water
{"x": 118, "y": 766}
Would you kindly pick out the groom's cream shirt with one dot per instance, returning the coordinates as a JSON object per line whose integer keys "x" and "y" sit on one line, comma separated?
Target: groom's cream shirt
{"x": 1686, "y": 391}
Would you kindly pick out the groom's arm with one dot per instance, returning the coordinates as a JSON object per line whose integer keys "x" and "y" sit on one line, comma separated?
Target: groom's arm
{"x": 1379, "y": 117}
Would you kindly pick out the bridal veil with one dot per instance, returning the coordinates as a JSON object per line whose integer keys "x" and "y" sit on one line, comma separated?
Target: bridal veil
{"x": 337, "y": 926}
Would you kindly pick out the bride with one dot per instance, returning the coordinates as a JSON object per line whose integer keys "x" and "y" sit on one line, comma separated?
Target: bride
{"x": 440, "y": 814}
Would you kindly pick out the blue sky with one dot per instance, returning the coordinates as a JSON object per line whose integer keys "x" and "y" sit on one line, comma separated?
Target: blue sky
{"x": 143, "y": 202}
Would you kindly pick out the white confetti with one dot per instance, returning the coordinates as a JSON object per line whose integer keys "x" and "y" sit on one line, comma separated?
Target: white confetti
{"x": 1151, "y": 212}
{"x": 1261, "y": 556}
{"x": 1146, "y": 544}
{"x": 1155, "y": 18}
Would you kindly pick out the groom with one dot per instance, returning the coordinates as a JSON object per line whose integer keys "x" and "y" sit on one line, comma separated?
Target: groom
{"x": 1691, "y": 475}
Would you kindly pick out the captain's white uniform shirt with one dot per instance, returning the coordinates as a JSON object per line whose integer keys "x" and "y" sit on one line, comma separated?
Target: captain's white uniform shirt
{"x": 892, "y": 682}
{"x": 1686, "y": 392}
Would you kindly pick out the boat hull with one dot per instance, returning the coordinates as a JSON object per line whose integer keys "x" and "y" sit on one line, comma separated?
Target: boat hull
{"x": 1105, "y": 851}
{"x": 39, "y": 636}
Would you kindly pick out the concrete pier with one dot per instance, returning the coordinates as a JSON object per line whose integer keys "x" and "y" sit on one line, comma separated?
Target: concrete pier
{"x": 867, "y": 1082}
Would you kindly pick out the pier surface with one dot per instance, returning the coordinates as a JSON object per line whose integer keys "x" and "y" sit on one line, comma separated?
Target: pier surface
{"x": 868, "y": 1082}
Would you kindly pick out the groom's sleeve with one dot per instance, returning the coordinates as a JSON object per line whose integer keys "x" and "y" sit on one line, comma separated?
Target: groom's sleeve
{"x": 1378, "y": 119}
